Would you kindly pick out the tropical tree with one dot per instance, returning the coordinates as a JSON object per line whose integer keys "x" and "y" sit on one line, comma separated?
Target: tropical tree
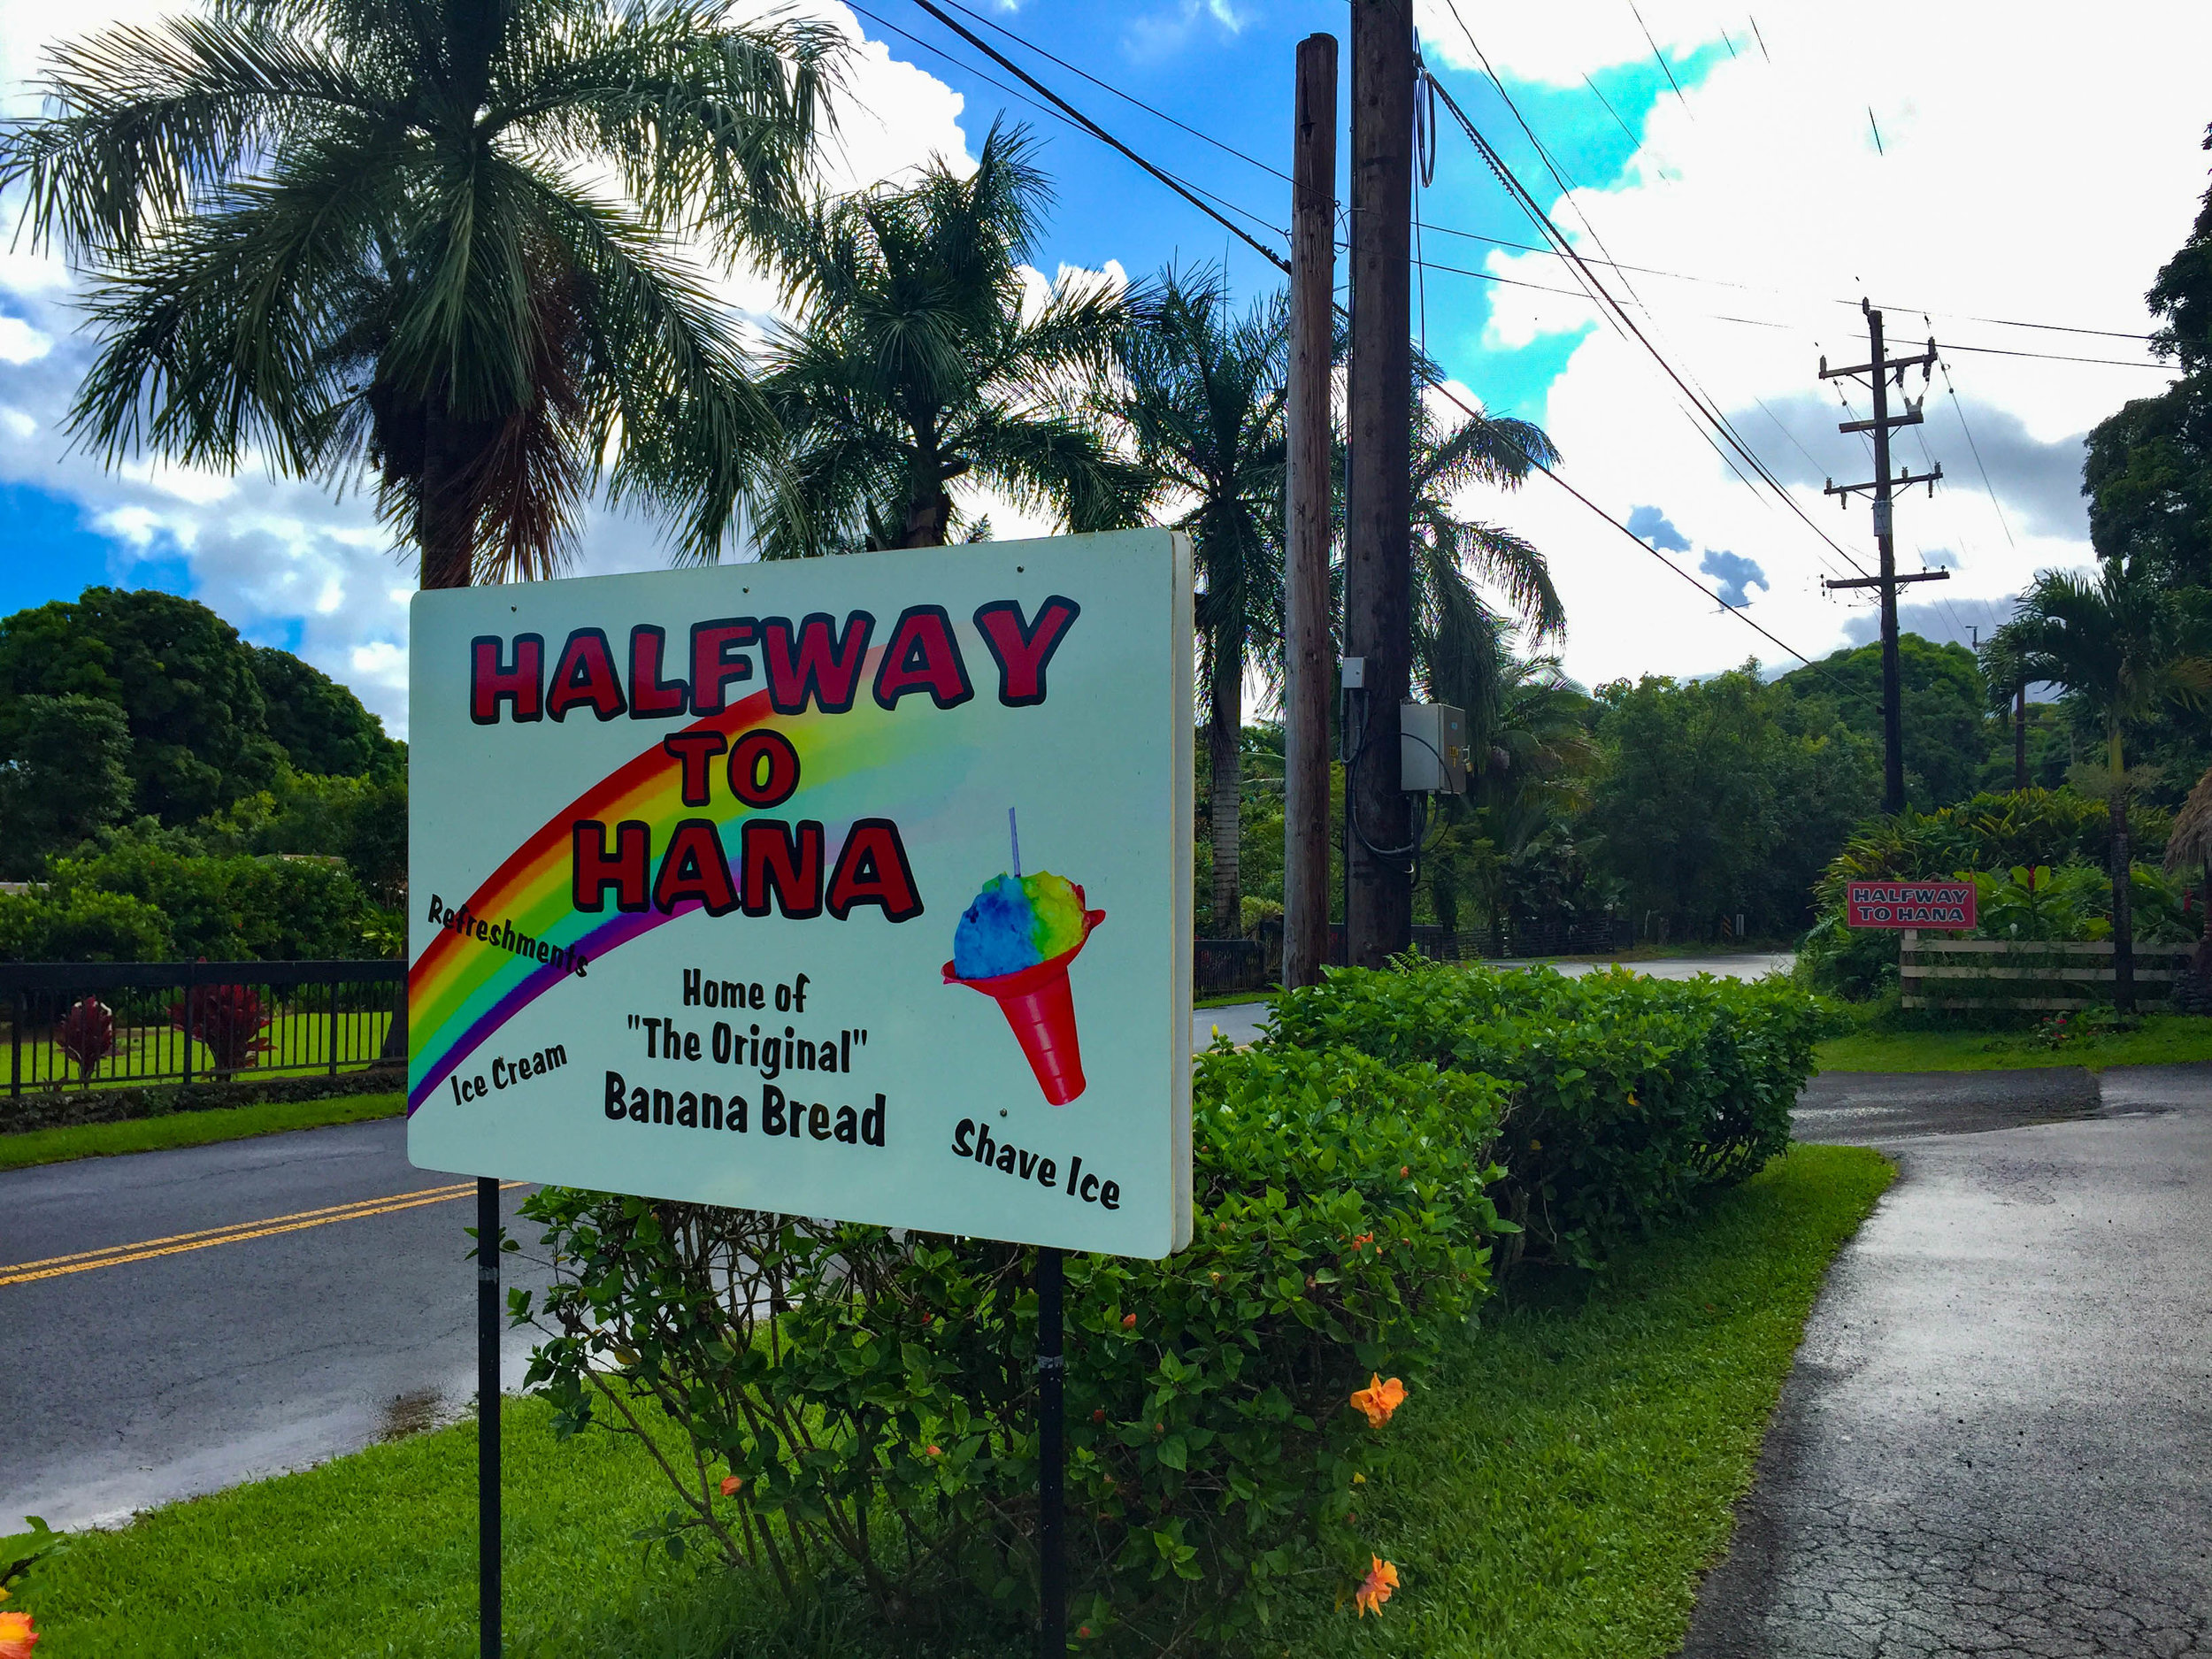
{"x": 2008, "y": 699}
{"x": 1459, "y": 653}
{"x": 438, "y": 239}
{"x": 920, "y": 361}
{"x": 2122, "y": 643}
{"x": 1200, "y": 393}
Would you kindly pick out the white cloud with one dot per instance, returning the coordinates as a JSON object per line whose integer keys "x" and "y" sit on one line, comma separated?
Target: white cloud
{"x": 19, "y": 343}
{"x": 2004, "y": 193}
{"x": 1560, "y": 41}
{"x": 276, "y": 556}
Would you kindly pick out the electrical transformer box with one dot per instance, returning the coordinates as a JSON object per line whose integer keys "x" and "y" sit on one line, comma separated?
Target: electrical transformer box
{"x": 1431, "y": 749}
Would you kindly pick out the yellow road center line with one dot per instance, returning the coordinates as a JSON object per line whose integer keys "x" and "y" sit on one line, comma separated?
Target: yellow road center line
{"x": 208, "y": 1232}
{"x": 30, "y": 1272}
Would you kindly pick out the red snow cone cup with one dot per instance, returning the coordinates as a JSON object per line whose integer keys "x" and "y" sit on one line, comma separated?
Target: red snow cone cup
{"x": 1039, "y": 1009}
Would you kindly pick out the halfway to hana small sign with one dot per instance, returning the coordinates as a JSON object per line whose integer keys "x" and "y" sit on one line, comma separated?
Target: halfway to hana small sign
{"x": 851, "y": 887}
{"x": 1933, "y": 904}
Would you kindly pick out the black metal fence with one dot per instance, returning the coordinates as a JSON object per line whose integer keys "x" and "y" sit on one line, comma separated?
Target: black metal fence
{"x": 104, "y": 1025}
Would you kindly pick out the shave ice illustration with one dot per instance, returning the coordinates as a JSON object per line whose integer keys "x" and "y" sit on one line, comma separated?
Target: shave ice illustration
{"x": 1014, "y": 944}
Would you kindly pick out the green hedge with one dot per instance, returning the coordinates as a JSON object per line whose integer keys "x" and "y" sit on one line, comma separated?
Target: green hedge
{"x": 869, "y": 1398}
{"x": 874, "y": 1393}
{"x": 1627, "y": 1096}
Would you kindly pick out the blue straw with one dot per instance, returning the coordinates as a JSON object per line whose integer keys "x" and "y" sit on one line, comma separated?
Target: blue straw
{"x": 1015, "y": 836}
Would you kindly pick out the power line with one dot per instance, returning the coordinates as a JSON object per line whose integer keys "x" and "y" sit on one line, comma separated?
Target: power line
{"x": 2053, "y": 356}
{"x": 1514, "y": 186}
{"x": 1083, "y": 124}
{"x": 1734, "y": 611}
{"x": 1228, "y": 150}
{"x": 1662, "y": 61}
{"x": 1190, "y": 193}
{"x": 1746, "y": 322}
{"x": 1754, "y": 287}
{"x": 1959, "y": 409}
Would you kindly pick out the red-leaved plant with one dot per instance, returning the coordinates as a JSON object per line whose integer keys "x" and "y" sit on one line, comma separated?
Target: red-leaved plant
{"x": 86, "y": 1036}
{"x": 229, "y": 1018}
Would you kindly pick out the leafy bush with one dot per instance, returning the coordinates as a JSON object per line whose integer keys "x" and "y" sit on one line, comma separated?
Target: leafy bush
{"x": 865, "y": 1399}
{"x": 86, "y": 1034}
{"x": 2072, "y": 902}
{"x": 229, "y": 1019}
{"x": 83, "y": 925}
{"x": 1628, "y": 1096}
{"x": 1989, "y": 831}
{"x": 222, "y": 909}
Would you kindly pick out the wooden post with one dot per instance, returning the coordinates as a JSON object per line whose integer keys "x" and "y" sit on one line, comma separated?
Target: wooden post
{"x": 1908, "y": 946}
{"x": 1379, "y": 915}
{"x": 1308, "y": 657}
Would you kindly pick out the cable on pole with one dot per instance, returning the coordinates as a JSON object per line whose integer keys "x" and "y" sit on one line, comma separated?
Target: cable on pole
{"x": 1084, "y": 122}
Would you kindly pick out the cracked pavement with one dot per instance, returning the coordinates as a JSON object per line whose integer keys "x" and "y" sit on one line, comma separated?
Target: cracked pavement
{"x": 1997, "y": 1439}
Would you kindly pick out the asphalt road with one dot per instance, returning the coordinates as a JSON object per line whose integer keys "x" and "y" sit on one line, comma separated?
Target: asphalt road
{"x": 138, "y": 1381}
{"x": 1997, "y": 1439}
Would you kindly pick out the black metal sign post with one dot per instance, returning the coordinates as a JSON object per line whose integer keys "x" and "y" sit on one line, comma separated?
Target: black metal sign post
{"x": 1052, "y": 1455}
{"x": 488, "y": 1242}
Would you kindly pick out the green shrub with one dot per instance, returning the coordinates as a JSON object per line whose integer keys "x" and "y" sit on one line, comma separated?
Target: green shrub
{"x": 84, "y": 925}
{"x": 2072, "y": 902}
{"x": 224, "y": 908}
{"x": 1627, "y": 1095}
{"x": 874, "y": 1392}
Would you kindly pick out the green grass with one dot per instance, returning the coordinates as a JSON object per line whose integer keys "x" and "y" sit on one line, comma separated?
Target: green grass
{"x": 1566, "y": 1489}
{"x": 154, "y": 1053}
{"x": 1232, "y": 999}
{"x": 2159, "y": 1040}
{"x": 1558, "y": 1498}
{"x": 189, "y": 1128}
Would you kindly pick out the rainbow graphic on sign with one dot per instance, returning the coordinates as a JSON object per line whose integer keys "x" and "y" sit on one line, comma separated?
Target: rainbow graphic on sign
{"x": 461, "y": 990}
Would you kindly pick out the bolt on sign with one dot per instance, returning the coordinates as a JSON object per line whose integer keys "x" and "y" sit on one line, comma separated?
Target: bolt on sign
{"x": 852, "y": 887}
{"x": 1935, "y": 904}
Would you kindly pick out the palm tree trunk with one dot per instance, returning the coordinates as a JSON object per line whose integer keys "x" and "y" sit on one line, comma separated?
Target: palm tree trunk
{"x": 1224, "y": 742}
{"x": 2123, "y": 895}
{"x": 445, "y": 527}
{"x": 2020, "y": 740}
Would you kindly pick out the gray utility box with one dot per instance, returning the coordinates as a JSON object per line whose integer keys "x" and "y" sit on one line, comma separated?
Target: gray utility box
{"x": 1431, "y": 749}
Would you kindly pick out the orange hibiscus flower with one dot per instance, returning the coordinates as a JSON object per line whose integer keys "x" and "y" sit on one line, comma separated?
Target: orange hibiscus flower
{"x": 1378, "y": 1400}
{"x": 17, "y": 1638}
{"x": 1375, "y": 1589}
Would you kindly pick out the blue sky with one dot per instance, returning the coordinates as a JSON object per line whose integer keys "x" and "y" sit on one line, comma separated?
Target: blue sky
{"x": 1759, "y": 180}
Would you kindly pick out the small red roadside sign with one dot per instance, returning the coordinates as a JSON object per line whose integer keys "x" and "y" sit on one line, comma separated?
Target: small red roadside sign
{"x": 1932, "y": 904}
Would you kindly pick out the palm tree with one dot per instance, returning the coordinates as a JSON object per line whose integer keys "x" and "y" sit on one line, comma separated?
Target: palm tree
{"x": 1459, "y": 651}
{"x": 2121, "y": 643}
{"x": 2189, "y": 853}
{"x": 1200, "y": 395}
{"x": 435, "y": 238}
{"x": 919, "y": 361}
{"x": 2008, "y": 699}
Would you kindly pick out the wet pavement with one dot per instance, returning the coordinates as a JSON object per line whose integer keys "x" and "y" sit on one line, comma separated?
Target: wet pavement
{"x": 185, "y": 1371}
{"x": 1997, "y": 1439}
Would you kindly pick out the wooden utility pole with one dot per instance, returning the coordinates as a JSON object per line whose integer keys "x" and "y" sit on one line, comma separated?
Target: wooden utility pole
{"x": 1309, "y": 656}
{"x": 1379, "y": 915}
{"x": 1879, "y": 370}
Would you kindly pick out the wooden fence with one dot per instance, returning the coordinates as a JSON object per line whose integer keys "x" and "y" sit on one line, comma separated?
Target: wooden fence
{"x": 2013, "y": 973}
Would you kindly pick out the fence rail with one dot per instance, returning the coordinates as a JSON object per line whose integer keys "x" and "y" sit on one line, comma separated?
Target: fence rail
{"x": 2003, "y": 968}
{"x": 104, "y": 1025}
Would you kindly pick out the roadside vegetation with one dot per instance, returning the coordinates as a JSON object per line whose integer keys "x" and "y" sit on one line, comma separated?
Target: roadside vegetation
{"x": 29, "y": 1147}
{"x": 1557, "y": 1490}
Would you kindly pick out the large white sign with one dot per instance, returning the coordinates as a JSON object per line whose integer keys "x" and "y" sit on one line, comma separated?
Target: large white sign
{"x": 853, "y": 888}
